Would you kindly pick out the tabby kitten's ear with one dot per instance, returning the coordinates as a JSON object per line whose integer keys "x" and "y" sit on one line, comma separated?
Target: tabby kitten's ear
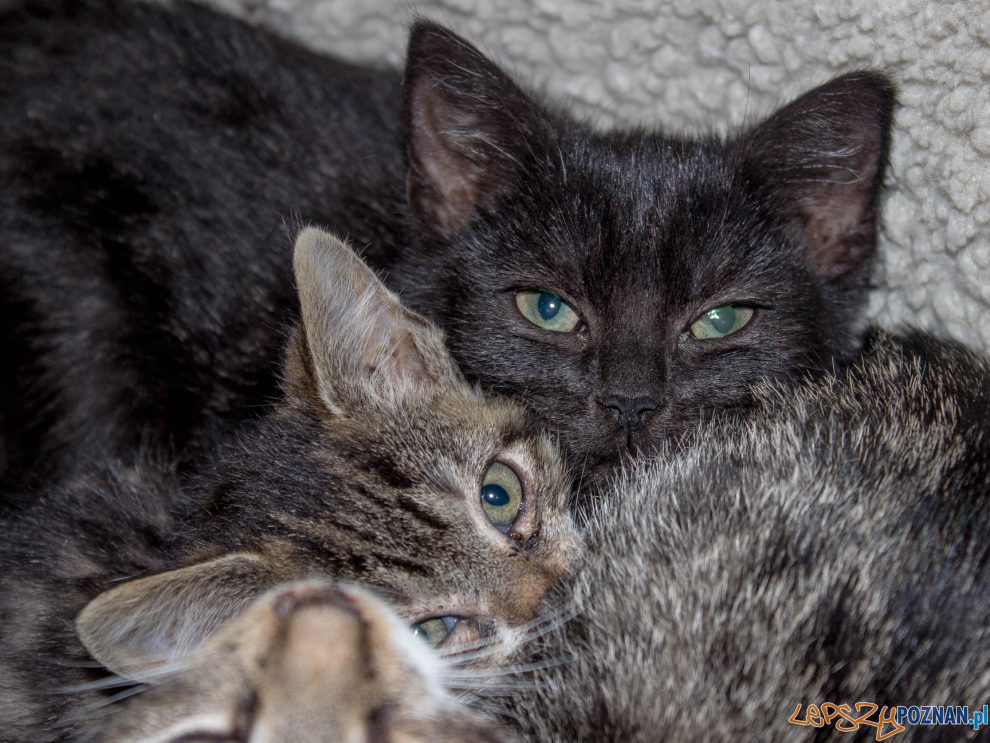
{"x": 468, "y": 129}
{"x": 155, "y": 622}
{"x": 824, "y": 156}
{"x": 360, "y": 344}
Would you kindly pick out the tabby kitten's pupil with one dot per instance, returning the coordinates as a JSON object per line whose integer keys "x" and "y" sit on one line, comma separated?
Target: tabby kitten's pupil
{"x": 501, "y": 496}
{"x": 494, "y": 495}
{"x": 548, "y": 311}
{"x": 721, "y": 321}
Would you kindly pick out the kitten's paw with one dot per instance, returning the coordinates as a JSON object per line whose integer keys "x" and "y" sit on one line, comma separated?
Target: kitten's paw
{"x": 308, "y": 661}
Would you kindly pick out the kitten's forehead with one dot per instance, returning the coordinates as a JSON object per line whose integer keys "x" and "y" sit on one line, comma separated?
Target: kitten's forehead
{"x": 451, "y": 435}
{"x": 641, "y": 220}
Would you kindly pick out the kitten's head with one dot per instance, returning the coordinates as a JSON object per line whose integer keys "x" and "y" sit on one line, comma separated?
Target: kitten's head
{"x": 307, "y": 662}
{"x": 626, "y": 285}
{"x": 382, "y": 467}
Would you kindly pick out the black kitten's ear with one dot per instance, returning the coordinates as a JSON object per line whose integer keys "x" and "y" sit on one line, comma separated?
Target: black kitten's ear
{"x": 154, "y": 623}
{"x": 360, "y": 342}
{"x": 468, "y": 129}
{"x": 824, "y": 156}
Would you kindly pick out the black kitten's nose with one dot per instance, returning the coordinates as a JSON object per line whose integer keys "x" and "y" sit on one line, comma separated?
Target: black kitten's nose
{"x": 629, "y": 411}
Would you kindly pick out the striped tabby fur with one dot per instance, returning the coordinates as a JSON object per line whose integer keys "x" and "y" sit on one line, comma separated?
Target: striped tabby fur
{"x": 368, "y": 471}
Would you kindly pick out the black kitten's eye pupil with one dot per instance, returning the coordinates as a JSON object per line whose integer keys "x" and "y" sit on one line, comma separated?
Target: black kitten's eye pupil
{"x": 495, "y": 495}
{"x": 548, "y": 305}
{"x": 723, "y": 318}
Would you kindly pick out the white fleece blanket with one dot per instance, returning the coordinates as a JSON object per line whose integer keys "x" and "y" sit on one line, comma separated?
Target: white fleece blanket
{"x": 687, "y": 64}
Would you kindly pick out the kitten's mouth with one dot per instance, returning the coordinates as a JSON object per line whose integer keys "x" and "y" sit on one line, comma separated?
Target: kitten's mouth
{"x": 622, "y": 450}
{"x": 595, "y": 470}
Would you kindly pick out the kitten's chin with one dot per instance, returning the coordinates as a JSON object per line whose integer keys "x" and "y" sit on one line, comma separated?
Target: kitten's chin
{"x": 598, "y": 450}
{"x": 594, "y": 467}
{"x": 597, "y": 468}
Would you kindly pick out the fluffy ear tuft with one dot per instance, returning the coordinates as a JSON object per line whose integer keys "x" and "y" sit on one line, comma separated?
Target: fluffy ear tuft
{"x": 158, "y": 621}
{"x": 360, "y": 341}
{"x": 825, "y": 155}
{"x": 469, "y": 129}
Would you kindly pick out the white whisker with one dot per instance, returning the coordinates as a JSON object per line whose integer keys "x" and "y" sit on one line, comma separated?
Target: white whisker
{"x": 118, "y": 697}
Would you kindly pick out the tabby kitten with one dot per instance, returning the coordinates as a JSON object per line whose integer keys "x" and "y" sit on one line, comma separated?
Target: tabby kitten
{"x": 380, "y": 465}
{"x": 622, "y": 285}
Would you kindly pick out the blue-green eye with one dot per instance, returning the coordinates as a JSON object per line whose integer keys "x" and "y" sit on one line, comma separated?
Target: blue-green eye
{"x": 501, "y": 496}
{"x": 548, "y": 311}
{"x": 721, "y": 321}
{"x": 434, "y": 631}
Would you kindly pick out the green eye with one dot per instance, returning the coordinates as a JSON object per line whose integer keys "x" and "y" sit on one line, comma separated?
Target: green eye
{"x": 501, "y": 496}
{"x": 548, "y": 311}
{"x": 434, "y": 631}
{"x": 721, "y": 321}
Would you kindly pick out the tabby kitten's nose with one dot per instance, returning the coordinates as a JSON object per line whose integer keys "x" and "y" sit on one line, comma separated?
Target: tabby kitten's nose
{"x": 629, "y": 411}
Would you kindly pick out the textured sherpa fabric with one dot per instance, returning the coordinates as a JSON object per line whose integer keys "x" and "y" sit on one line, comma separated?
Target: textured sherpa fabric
{"x": 686, "y": 64}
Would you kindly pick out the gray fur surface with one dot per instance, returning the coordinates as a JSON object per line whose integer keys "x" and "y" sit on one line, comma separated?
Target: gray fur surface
{"x": 832, "y": 550}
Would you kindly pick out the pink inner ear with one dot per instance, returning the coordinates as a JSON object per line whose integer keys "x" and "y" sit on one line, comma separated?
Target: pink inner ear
{"x": 837, "y": 237}
{"x": 838, "y": 216}
{"x": 409, "y": 362}
{"x": 448, "y": 181}
{"x": 823, "y": 155}
{"x": 391, "y": 343}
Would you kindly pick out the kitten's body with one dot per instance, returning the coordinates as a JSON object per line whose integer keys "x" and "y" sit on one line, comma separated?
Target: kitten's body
{"x": 151, "y": 160}
{"x": 368, "y": 470}
{"x": 832, "y": 550}
{"x": 150, "y": 154}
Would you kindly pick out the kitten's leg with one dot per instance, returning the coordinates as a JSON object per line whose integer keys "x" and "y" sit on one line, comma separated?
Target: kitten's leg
{"x": 307, "y": 661}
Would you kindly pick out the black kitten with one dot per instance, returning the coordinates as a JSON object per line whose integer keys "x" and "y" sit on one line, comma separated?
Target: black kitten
{"x": 627, "y": 285}
{"x": 150, "y": 158}
{"x": 623, "y": 285}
